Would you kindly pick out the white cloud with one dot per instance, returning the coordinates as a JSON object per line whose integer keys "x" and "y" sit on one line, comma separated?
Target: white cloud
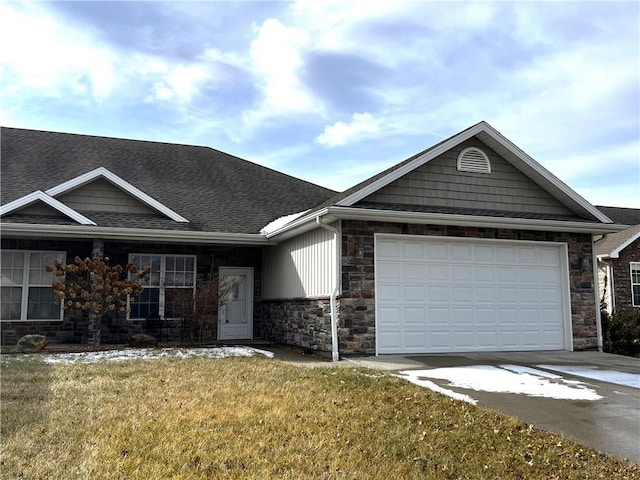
{"x": 362, "y": 125}
{"x": 41, "y": 53}
{"x": 276, "y": 60}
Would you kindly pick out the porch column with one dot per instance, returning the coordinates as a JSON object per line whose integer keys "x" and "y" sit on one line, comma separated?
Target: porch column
{"x": 95, "y": 320}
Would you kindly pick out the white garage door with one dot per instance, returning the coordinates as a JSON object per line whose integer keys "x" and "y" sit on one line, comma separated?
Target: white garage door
{"x": 437, "y": 294}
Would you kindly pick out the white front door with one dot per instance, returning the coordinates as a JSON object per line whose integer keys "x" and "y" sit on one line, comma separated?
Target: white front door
{"x": 235, "y": 315}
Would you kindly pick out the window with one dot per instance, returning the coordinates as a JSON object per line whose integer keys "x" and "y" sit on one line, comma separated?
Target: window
{"x": 26, "y": 291}
{"x": 170, "y": 276}
{"x": 635, "y": 284}
{"x": 473, "y": 159}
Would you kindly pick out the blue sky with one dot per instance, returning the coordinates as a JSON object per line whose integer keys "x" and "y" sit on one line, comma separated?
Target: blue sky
{"x": 335, "y": 91}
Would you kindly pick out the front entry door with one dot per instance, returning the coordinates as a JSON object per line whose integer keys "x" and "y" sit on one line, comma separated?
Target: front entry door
{"x": 235, "y": 315}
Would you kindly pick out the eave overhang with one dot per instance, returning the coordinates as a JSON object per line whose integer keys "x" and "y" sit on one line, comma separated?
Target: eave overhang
{"x": 27, "y": 230}
{"x": 330, "y": 214}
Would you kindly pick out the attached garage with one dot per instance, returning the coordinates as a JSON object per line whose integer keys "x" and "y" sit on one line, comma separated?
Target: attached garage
{"x": 446, "y": 294}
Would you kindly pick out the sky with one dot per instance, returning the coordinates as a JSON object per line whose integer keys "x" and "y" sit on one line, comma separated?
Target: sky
{"x": 335, "y": 91}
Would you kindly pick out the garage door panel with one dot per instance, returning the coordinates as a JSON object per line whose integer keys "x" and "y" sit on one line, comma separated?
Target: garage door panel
{"x": 455, "y": 295}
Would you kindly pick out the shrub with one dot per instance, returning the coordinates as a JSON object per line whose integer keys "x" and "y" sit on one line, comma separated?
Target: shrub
{"x": 621, "y": 332}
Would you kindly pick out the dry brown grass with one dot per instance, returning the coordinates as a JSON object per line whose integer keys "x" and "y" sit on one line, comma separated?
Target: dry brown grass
{"x": 259, "y": 419}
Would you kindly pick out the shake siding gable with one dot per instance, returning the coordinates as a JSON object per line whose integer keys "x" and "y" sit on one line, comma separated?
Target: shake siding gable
{"x": 439, "y": 183}
{"x": 101, "y": 196}
{"x": 301, "y": 267}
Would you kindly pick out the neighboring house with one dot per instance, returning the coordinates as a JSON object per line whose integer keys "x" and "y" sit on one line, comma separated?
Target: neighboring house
{"x": 619, "y": 261}
{"x": 470, "y": 245}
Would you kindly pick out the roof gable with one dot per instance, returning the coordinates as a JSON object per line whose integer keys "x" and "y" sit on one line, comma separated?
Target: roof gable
{"x": 440, "y": 183}
{"x": 613, "y": 243}
{"x": 501, "y": 146}
{"x": 40, "y": 196}
{"x": 123, "y": 185}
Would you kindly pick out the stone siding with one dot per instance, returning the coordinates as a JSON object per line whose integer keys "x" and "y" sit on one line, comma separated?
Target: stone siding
{"x": 622, "y": 275}
{"x": 304, "y": 323}
{"x": 73, "y": 328}
{"x": 357, "y": 301}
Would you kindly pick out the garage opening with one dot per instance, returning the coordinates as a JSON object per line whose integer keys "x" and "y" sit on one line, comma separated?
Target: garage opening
{"x": 444, "y": 294}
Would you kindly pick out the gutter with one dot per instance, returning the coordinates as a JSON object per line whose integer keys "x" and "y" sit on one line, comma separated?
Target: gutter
{"x": 167, "y": 236}
{"x": 350, "y": 213}
{"x": 335, "y": 354}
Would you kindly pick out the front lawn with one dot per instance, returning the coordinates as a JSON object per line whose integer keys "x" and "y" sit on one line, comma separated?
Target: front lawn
{"x": 256, "y": 418}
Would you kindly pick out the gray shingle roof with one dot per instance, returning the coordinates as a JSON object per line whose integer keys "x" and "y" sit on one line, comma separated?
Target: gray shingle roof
{"x": 613, "y": 241}
{"x": 623, "y": 216}
{"x": 215, "y": 191}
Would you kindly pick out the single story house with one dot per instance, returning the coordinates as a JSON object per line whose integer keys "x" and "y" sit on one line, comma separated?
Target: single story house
{"x": 618, "y": 257}
{"x": 470, "y": 245}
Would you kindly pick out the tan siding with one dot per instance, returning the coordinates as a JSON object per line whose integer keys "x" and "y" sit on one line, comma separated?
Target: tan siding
{"x": 301, "y": 267}
{"x": 102, "y": 196}
{"x": 439, "y": 183}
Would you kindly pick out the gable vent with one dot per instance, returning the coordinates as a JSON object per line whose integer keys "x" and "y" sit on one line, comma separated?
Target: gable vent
{"x": 473, "y": 159}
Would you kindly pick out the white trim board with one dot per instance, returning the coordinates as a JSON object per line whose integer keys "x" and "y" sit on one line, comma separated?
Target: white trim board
{"x": 40, "y": 196}
{"x": 102, "y": 172}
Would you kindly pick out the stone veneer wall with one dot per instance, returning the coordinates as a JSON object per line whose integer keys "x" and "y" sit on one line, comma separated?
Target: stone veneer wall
{"x": 357, "y": 303}
{"x": 304, "y": 323}
{"x": 622, "y": 275}
{"x": 72, "y": 329}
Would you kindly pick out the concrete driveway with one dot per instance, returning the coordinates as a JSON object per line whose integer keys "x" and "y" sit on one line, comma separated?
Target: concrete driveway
{"x": 590, "y": 397}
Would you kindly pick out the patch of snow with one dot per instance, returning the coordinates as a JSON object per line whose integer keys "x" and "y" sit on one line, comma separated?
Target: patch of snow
{"x": 413, "y": 376}
{"x": 280, "y": 222}
{"x": 512, "y": 379}
{"x": 611, "y": 376}
{"x": 148, "y": 354}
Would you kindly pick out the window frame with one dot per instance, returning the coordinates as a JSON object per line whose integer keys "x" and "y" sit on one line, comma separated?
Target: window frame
{"x": 634, "y": 266}
{"x": 27, "y": 285}
{"x": 161, "y": 287}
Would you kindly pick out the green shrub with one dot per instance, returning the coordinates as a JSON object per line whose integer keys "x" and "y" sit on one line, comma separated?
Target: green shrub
{"x": 621, "y": 332}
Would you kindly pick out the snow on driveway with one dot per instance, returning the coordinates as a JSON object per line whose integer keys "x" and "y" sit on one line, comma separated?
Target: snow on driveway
{"x": 501, "y": 379}
{"x": 146, "y": 354}
{"x": 619, "y": 378}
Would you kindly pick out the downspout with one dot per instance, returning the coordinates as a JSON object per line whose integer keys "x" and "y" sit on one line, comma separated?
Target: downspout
{"x": 335, "y": 355}
{"x": 596, "y": 288}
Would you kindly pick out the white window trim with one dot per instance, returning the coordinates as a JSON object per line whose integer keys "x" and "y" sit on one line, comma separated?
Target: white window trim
{"x": 631, "y": 265}
{"x": 24, "y": 300}
{"x": 161, "y": 287}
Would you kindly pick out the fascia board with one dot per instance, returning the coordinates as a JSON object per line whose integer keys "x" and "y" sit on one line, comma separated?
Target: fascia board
{"x": 41, "y": 196}
{"x": 417, "y": 162}
{"x": 348, "y": 213}
{"x": 616, "y": 252}
{"x": 119, "y": 182}
{"x": 296, "y": 227}
{"x": 165, "y": 236}
{"x": 546, "y": 174}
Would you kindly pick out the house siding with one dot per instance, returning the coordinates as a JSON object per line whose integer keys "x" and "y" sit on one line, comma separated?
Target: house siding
{"x": 439, "y": 183}
{"x": 301, "y": 322}
{"x": 301, "y": 267}
{"x": 73, "y": 329}
{"x": 622, "y": 276}
{"x": 356, "y": 305}
{"x": 101, "y": 196}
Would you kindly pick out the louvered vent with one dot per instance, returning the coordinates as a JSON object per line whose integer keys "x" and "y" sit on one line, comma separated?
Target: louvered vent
{"x": 473, "y": 160}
